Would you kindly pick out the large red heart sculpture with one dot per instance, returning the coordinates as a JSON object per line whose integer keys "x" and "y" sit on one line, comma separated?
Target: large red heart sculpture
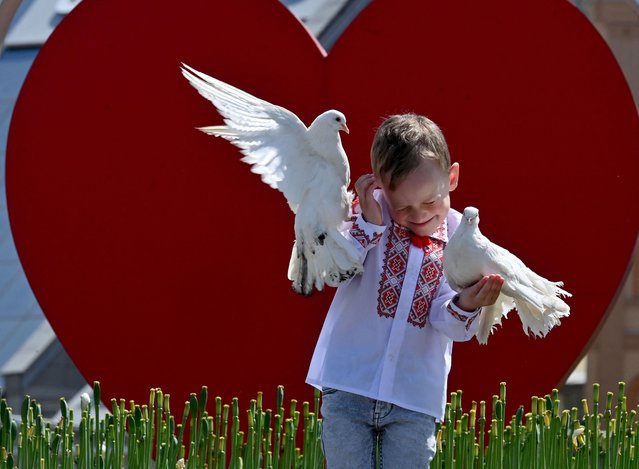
{"x": 160, "y": 260}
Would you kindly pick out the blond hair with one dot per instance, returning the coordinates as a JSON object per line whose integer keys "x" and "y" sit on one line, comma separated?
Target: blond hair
{"x": 402, "y": 142}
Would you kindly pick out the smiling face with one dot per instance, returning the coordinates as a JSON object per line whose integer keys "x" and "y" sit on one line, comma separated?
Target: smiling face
{"x": 420, "y": 201}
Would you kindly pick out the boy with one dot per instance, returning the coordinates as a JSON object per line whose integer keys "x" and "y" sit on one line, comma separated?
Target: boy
{"x": 384, "y": 353}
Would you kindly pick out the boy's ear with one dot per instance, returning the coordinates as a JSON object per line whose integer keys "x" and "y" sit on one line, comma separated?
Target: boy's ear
{"x": 453, "y": 176}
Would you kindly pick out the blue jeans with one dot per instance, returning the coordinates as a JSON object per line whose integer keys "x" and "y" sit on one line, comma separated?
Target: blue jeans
{"x": 352, "y": 423}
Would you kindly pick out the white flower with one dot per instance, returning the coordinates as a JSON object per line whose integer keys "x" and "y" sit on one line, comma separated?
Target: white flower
{"x": 85, "y": 401}
{"x": 180, "y": 464}
{"x": 577, "y": 437}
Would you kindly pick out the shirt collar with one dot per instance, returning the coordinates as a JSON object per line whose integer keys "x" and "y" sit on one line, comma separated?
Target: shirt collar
{"x": 440, "y": 234}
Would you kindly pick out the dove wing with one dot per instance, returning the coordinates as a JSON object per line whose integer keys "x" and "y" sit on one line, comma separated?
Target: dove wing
{"x": 272, "y": 139}
{"x": 506, "y": 263}
{"x": 518, "y": 279}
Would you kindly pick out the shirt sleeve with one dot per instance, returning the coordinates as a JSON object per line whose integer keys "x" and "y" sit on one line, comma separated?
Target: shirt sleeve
{"x": 362, "y": 234}
{"x": 449, "y": 319}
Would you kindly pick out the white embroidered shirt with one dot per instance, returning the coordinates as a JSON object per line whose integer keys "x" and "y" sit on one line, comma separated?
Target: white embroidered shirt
{"x": 389, "y": 332}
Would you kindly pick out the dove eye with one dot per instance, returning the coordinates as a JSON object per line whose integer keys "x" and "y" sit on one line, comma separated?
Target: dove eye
{"x": 337, "y": 119}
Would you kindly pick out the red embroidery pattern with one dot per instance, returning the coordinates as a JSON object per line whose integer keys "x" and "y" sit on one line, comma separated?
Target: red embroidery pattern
{"x": 394, "y": 271}
{"x": 471, "y": 320}
{"x": 427, "y": 284}
{"x": 361, "y": 237}
{"x": 467, "y": 319}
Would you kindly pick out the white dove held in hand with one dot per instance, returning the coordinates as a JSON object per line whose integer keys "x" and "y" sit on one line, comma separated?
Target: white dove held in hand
{"x": 469, "y": 256}
{"x": 308, "y": 165}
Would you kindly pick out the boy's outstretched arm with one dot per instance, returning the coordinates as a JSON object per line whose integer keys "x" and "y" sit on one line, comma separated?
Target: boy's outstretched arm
{"x": 482, "y": 293}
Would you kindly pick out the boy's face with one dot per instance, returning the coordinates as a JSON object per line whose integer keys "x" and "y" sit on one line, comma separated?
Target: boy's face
{"x": 421, "y": 201}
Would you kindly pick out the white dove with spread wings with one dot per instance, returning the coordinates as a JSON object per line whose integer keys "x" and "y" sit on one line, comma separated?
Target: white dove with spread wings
{"x": 469, "y": 256}
{"x": 308, "y": 165}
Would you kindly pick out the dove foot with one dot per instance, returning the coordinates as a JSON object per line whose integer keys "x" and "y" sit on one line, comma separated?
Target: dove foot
{"x": 302, "y": 291}
{"x": 348, "y": 274}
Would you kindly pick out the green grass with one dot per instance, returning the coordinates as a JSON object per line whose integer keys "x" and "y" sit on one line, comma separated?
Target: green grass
{"x": 148, "y": 436}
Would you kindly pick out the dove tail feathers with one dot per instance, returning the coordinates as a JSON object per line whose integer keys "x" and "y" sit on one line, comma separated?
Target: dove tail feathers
{"x": 325, "y": 259}
{"x": 539, "y": 322}
{"x": 538, "y": 303}
{"x": 487, "y": 323}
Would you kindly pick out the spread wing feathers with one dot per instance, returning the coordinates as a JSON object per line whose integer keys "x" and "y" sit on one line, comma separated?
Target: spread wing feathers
{"x": 272, "y": 139}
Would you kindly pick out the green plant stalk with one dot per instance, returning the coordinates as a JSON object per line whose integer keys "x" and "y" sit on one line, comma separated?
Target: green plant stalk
{"x": 457, "y": 442}
{"x": 201, "y": 415}
{"x": 280, "y": 400}
{"x": 225, "y": 420}
{"x": 306, "y": 442}
{"x": 436, "y": 462}
{"x": 250, "y": 440}
{"x": 594, "y": 455}
{"x": 450, "y": 428}
{"x": 607, "y": 417}
{"x": 218, "y": 429}
{"x": 211, "y": 444}
{"x": 185, "y": 416}
{"x": 290, "y": 439}
{"x": 235, "y": 430}
{"x": 620, "y": 437}
{"x": 193, "y": 434}
{"x": 267, "y": 430}
{"x": 157, "y": 403}
{"x": 555, "y": 435}
{"x": 171, "y": 441}
{"x": 482, "y": 433}
{"x": 635, "y": 453}
{"x": 23, "y": 450}
{"x": 259, "y": 429}
{"x": 278, "y": 440}
{"x": 220, "y": 462}
{"x": 98, "y": 436}
{"x": 629, "y": 436}
{"x": 620, "y": 417}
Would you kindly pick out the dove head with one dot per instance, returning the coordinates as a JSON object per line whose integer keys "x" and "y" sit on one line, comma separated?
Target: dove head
{"x": 471, "y": 215}
{"x": 332, "y": 119}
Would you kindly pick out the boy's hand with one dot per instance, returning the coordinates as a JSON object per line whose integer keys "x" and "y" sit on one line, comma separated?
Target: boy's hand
{"x": 482, "y": 293}
{"x": 371, "y": 210}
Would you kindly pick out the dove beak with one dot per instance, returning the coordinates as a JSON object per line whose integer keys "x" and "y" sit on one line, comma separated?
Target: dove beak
{"x": 344, "y": 127}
